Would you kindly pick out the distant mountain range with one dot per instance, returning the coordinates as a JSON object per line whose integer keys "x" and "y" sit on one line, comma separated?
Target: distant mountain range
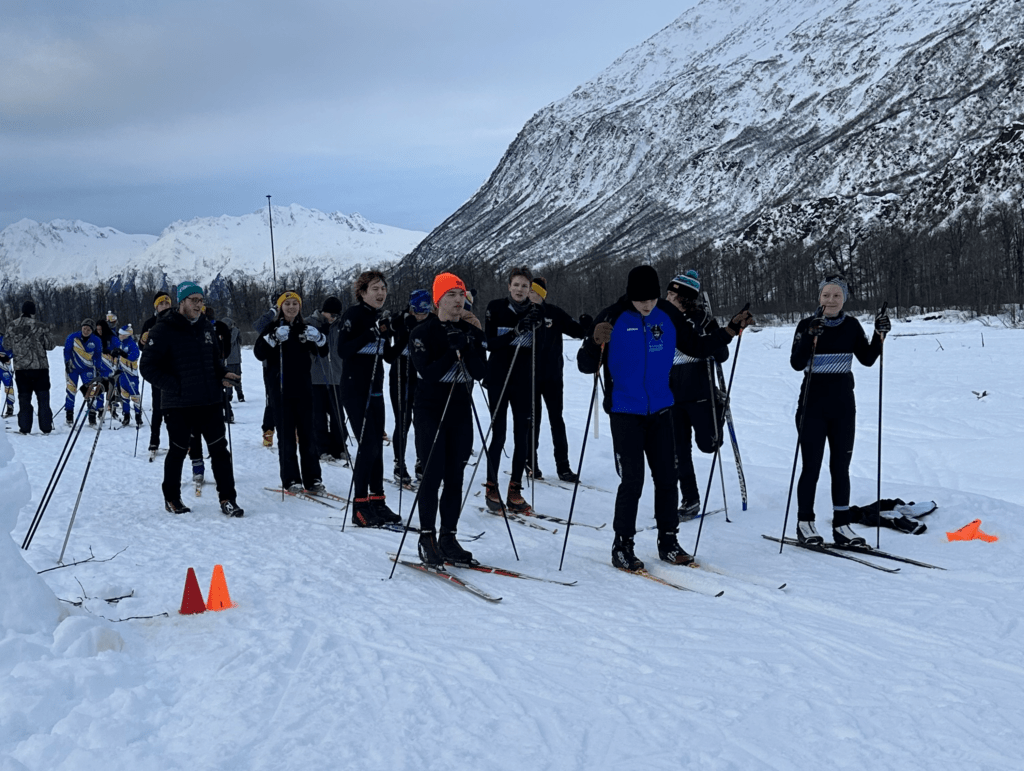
{"x": 69, "y": 252}
{"x": 758, "y": 123}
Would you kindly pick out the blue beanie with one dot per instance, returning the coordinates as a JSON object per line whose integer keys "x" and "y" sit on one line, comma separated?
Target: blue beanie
{"x": 840, "y": 282}
{"x": 419, "y": 301}
{"x": 686, "y": 285}
{"x": 187, "y": 289}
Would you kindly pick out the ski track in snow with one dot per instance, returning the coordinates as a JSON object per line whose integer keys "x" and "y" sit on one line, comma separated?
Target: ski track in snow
{"x": 325, "y": 663}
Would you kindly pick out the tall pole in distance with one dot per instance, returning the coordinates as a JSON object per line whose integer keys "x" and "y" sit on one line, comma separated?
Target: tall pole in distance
{"x": 280, "y": 347}
{"x": 878, "y": 491}
{"x": 273, "y": 259}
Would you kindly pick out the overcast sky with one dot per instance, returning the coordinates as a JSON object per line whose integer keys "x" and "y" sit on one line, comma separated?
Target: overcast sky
{"x": 137, "y": 114}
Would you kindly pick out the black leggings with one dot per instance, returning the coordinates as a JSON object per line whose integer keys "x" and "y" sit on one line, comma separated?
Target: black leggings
{"x": 833, "y": 420}
{"x": 447, "y": 464}
{"x": 633, "y": 437}
{"x": 693, "y": 419}
{"x": 369, "y": 467}
{"x": 518, "y": 396}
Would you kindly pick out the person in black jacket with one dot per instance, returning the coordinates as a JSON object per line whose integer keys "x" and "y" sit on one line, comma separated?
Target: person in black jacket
{"x": 402, "y": 380}
{"x": 549, "y": 376}
{"x": 448, "y": 355}
{"x": 830, "y": 412}
{"x": 509, "y": 328}
{"x": 223, "y": 333}
{"x": 366, "y": 337}
{"x": 697, "y": 411}
{"x": 161, "y": 306}
{"x": 287, "y": 343}
{"x": 634, "y": 340}
{"x": 329, "y": 430}
{"x": 181, "y": 358}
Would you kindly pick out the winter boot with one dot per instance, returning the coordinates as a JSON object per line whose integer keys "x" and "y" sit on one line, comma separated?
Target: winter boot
{"x": 268, "y": 438}
{"x": 176, "y": 506}
{"x": 452, "y": 550}
{"x": 231, "y": 509}
{"x": 363, "y": 514}
{"x": 670, "y": 551}
{"x": 689, "y": 510}
{"x": 384, "y": 514}
{"x": 430, "y": 555}
{"x": 623, "y": 556}
{"x": 568, "y": 476}
{"x": 492, "y": 497}
{"x": 844, "y": 536}
{"x": 515, "y": 500}
{"x": 807, "y": 534}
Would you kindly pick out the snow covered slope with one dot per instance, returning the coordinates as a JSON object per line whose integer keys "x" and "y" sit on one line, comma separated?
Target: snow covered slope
{"x": 325, "y": 664}
{"x": 65, "y": 252}
{"x": 774, "y": 119}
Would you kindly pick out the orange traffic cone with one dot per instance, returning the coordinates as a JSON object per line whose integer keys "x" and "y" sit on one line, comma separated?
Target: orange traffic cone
{"x": 971, "y": 532}
{"x": 192, "y": 597}
{"x": 218, "y": 597}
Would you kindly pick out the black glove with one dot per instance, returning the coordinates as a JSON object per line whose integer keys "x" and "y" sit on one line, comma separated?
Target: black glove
{"x": 533, "y": 317}
{"x": 3, "y": 359}
{"x": 741, "y": 321}
{"x": 67, "y": 366}
{"x": 114, "y": 353}
{"x": 586, "y": 321}
{"x": 457, "y": 339}
{"x": 882, "y": 324}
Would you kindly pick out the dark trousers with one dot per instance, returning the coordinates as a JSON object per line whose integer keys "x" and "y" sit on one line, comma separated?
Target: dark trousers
{"x": 329, "y": 432}
{"x": 550, "y": 392}
{"x": 369, "y": 466}
{"x": 33, "y": 381}
{"x": 833, "y": 420}
{"x": 447, "y": 464}
{"x": 182, "y": 424}
{"x": 156, "y": 417}
{"x": 270, "y": 384}
{"x": 633, "y": 437}
{"x": 693, "y": 420}
{"x": 402, "y": 395}
{"x": 518, "y": 396}
{"x": 295, "y": 416}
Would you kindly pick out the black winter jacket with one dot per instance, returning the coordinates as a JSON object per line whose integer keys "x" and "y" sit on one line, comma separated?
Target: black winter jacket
{"x": 361, "y": 348}
{"x": 183, "y": 360}
{"x": 295, "y": 352}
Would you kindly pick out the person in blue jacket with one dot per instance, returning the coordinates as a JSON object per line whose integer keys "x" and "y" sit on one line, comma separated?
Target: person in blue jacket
{"x": 635, "y": 340}
{"x": 126, "y": 353}
{"x": 7, "y": 377}
{"x": 83, "y": 361}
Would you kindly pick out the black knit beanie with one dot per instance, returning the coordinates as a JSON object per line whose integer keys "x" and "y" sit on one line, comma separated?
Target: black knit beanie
{"x": 643, "y": 284}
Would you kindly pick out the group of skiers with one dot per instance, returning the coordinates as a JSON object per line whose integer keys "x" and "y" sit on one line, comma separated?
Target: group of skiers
{"x": 653, "y": 354}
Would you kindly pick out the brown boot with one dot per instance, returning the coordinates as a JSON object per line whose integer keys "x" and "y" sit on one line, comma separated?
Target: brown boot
{"x": 268, "y": 438}
{"x": 515, "y": 500}
{"x": 492, "y": 497}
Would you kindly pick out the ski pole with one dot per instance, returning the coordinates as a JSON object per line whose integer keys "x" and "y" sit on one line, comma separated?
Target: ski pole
{"x": 362, "y": 431}
{"x": 878, "y": 492}
{"x": 483, "y": 450}
{"x": 58, "y": 471}
{"x": 716, "y": 434}
{"x": 800, "y": 429}
{"x": 416, "y": 500}
{"x": 728, "y": 392}
{"x": 494, "y": 412}
{"x": 533, "y": 417}
{"x": 138, "y": 426}
{"x": 81, "y": 489}
{"x": 579, "y": 466}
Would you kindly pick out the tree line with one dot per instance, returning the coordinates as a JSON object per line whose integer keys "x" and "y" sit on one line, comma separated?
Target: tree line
{"x": 975, "y": 263}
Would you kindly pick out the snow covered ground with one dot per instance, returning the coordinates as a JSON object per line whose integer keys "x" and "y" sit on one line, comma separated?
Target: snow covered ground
{"x": 325, "y": 663}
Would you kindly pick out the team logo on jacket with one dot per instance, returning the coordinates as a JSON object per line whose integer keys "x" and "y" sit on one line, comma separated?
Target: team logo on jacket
{"x": 418, "y": 345}
{"x": 656, "y": 332}
{"x": 209, "y": 340}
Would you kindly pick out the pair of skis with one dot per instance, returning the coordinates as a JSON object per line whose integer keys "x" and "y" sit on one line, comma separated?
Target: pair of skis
{"x": 848, "y": 552}
{"x": 460, "y": 583}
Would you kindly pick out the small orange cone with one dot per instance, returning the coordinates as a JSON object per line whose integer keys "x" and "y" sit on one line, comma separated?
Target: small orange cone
{"x": 219, "y": 599}
{"x": 970, "y": 532}
{"x": 192, "y": 597}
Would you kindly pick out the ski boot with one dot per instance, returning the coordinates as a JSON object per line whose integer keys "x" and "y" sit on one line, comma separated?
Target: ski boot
{"x": 384, "y": 515}
{"x": 844, "y": 536}
{"x": 9, "y": 412}
{"x": 138, "y": 419}
{"x": 492, "y": 497}
{"x": 231, "y": 509}
{"x": 317, "y": 488}
{"x": 70, "y": 416}
{"x": 515, "y": 500}
{"x": 295, "y": 488}
{"x": 430, "y": 555}
{"x": 126, "y": 419}
{"x": 198, "y": 472}
{"x": 452, "y": 550}
{"x": 568, "y": 475}
{"x": 670, "y": 551}
{"x": 363, "y": 514}
{"x": 402, "y": 478}
{"x": 418, "y": 470}
{"x": 176, "y": 506}
{"x": 807, "y": 534}
{"x": 268, "y": 438}
{"x": 623, "y": 556}
{"x": 531, "y": 472}
{"x": 689, "y": 510}
{"x": 92, "y": 418}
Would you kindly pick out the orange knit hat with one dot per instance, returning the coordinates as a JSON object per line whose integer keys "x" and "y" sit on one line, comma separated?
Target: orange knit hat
{"x": 445, "y": 282}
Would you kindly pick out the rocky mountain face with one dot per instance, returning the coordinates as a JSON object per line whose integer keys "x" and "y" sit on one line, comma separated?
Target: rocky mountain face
{"x": 760, "y": 124}
{"x": 203, "y": 249}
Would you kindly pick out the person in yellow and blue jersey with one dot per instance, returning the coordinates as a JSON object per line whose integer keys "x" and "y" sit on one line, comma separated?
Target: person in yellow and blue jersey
{"x": 83, "y": 361}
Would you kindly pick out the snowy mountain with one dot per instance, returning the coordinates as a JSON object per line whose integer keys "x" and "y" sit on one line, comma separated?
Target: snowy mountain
{"x": 201, "y": 249}
{"x": 767, "y": 122}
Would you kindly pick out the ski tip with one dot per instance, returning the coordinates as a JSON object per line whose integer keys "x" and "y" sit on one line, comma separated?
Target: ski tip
{"x": 720, "y": 593}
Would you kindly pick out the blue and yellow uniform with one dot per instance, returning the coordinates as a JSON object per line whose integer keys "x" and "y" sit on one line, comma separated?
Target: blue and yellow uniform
{"x": 83, "y": 361}
{"x": 128, "y": 366}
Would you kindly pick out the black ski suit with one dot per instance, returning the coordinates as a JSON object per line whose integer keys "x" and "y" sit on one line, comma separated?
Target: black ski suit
{"x": 444, "y": 379}
{"x": 509, "y": 353}
{"x": 831, "y": 411}
{"x": 695, "y": 413}
{"x": 362, "y": 349}
{"x": 292, "y": 401}
{"x": 402, "y": 386}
